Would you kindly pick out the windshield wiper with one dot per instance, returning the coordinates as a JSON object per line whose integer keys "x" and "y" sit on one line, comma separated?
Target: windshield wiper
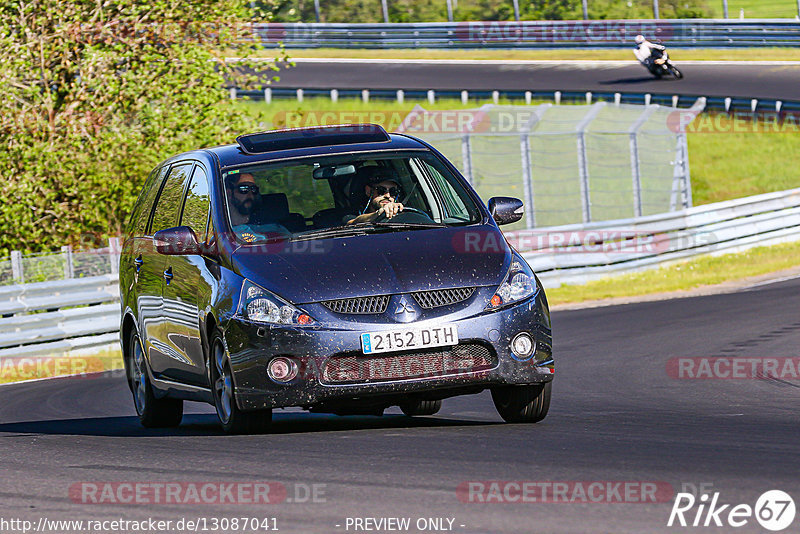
{"x": 351, "y": 229}
{"x": 407, "y": 225}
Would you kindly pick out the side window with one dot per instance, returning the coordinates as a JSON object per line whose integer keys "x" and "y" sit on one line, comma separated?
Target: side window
{"x": 195, "y": 207}
{"x": 453, "y": 204}
{"x": 169, "y": 201}
{"x": 141, "y": 212}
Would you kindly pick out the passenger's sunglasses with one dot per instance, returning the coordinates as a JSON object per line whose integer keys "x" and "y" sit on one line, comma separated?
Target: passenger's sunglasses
{"x": 380, "y": 190}
{"x": 244, "y": 189}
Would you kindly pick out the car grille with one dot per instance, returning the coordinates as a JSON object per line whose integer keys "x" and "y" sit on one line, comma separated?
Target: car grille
{"x": 443, "y": 297}
{"x": 359, "y": 305}
{"x": 355, "y": 367}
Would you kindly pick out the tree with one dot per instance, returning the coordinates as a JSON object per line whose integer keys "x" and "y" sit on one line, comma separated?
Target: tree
{"x": 95, "y": 94}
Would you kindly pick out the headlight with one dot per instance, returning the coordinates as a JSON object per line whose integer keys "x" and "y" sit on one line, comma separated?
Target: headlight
{"x": 261, "y": 306}
{"x": 518, "y": 285}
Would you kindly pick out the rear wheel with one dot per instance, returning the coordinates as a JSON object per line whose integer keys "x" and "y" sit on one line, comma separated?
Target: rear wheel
{"x": 421, "y": 407}
{"x": 152, "y": 412}
{"x": 522, "y": 404}
{"x": 233, "y": 420}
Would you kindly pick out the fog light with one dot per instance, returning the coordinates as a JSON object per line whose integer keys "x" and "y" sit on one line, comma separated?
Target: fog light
{"x": 522, "y": 346}
{"x": 282, "y": 369}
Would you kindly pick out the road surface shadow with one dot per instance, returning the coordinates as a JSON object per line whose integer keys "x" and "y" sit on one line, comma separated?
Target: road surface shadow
{"x": 208, "y": 425}
{"x": 633, "y": 81}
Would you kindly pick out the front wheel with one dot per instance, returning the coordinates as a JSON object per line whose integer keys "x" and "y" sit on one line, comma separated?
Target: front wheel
{"x": 522, "y": 404}
{"x": 232, "y": 419}
{"x": 152, "y": 412}
{"x": 675, "y": 72}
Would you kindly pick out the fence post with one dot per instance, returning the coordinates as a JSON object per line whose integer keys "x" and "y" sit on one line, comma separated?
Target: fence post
{"x": 466, "y": 156}
{"x": 527, "y": 180}
{"x": 316, "y": 10}
{"x": 69, "y": 267}
{"x": 655, "y": 9}
{"x": 385, "y": 9}
{"x": 585, "y": 10}
{"x": 583, "y": 162}
{"x": 725, "y": 8}
{"x": 636, "y": 175}
{"x": 516, "y": 10}
{"x": 113, "y": 254}
{"x": 449, "y": 11}
{"x": 268, "y": 95}
{"x": 16, "y": 267}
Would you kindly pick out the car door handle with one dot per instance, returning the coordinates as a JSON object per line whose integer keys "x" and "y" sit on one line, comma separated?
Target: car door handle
{"x": 168, "y": 275}
{"x": 138, "y": 262}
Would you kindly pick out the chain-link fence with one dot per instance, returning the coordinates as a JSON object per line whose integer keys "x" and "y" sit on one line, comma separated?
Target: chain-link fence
{"x": 68, "y": 263}
{"x": 569, "y": 164}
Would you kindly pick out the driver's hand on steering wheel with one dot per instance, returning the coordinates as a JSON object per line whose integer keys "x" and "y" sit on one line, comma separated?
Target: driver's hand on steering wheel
{"x": 390, "y": 209}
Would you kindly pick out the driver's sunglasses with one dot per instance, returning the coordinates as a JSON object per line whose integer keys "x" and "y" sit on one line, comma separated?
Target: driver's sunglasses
{"x": 381, "y": 190}
{"x": 244, "y": 189}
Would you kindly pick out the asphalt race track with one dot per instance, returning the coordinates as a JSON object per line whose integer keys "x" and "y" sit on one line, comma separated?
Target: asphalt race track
{"x": 616, "y": 416}
{"x": 735, "y": 80}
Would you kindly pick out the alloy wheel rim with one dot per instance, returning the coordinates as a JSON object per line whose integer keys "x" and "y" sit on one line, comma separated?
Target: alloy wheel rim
{"x": 139, "y": 377}
{"x": 223, "y": 385}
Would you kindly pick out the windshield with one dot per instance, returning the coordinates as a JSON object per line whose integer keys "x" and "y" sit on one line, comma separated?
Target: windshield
{"x": 327, "y": 196}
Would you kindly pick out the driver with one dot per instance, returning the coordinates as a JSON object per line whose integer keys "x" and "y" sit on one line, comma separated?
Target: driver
{"x": 647, "y": 52}
{"x": 382, "y": 189}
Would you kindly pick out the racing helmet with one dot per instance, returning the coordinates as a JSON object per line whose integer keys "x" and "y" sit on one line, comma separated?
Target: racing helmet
{"x": 639, "y": 39}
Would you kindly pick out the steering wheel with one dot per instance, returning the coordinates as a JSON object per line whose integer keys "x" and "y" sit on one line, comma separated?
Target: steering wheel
{"x": 408, "y": 215}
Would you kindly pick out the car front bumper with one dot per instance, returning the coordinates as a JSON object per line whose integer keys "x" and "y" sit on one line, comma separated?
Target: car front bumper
{"x": 251, "y": 346}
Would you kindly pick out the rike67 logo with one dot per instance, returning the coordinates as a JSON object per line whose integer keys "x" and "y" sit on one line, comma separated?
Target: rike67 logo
{"x": 774, "y": 510}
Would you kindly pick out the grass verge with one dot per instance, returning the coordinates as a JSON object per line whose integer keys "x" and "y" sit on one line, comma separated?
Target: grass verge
{"x": 29, "y": 368}
{"x": 619, "y": 54}
{"x": 704, "y": 271}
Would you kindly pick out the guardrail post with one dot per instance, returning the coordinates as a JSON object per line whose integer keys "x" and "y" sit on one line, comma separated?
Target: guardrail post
{"x": 496, "y": 97}
{"x": 466, "y": 156}
{"x": 464, "y": 97}
{"x": 299, "y": 95}
{"x": 431, "y": 97}
{"x": 655, "y": 9}
{"x": 617, "y": 99}
{"x": 69, "y": 267}
{"x": 113, "y": 254}
{"x": 557, "y": 98}
{"x": 233, "y": 93}
{"x": 365, "y": 95}
{"x": 401, "y": 96}
{"x": 268, "y": 95}
{"x": 725, "y": 8}
{"x": 334, "y": 95}
{"x": 16, "y": 267}
{"x": 583, "y": 162}
{"x": 528, "y": 96}
{"x": 385, "y": 9}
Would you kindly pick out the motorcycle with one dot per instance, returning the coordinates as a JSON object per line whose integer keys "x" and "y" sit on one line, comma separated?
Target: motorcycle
{"x": 661, "y": 66}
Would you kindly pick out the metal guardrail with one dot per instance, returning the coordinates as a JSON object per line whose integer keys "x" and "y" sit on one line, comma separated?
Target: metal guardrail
{"x": 579, "y": 253}
{"x": 681, "y": 33}
{"x": 764, "y": 106}
{"x": 54, "y": 317}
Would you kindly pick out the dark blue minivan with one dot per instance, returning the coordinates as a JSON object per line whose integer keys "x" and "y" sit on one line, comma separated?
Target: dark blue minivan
{"x": 339, "y": 269}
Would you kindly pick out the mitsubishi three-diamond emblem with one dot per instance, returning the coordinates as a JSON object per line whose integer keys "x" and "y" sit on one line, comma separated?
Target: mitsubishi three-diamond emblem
{"x": 404, "y": 310}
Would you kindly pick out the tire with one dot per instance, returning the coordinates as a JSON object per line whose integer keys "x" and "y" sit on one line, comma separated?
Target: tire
{"x": 522, "y": 404}
{"x": 421, "y": 407}
{"x": 152, "y": 412}
{"x": 675, "y": 72}
{"x": 232, "y": 419}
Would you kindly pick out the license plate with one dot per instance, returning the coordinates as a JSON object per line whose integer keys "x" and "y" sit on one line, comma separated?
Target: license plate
{"x": 409, "y": 339}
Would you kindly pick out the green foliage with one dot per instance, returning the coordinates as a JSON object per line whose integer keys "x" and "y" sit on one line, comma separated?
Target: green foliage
{"x": 95, "y": 95}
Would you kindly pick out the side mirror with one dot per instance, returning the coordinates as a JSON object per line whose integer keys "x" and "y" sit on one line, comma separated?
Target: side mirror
{"x": 178, "y": 241}
{"x": 506, "y": 210}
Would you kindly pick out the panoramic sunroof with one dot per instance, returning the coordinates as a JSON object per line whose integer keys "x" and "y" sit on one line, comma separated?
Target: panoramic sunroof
{"x": 345, "y": 134}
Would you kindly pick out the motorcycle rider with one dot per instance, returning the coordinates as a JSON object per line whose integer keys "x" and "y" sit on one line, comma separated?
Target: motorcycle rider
{"x": 649, "y": 53}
